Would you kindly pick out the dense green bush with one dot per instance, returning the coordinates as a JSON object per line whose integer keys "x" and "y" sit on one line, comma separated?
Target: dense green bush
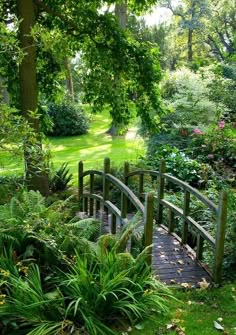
{"x": 230, "y": 245}
{"x": 178, "y": 164}
{"x": 216, "y": 148}
{"x": 68, "y": 119}
{"x": 187, "y": 94}
{"x": 9, "y": 186}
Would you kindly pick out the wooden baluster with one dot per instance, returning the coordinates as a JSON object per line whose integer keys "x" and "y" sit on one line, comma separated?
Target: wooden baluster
{"x": 86, "y": 205}
{"x": 113, "y": 223}
{"x": 126, "y": 181}
{"x": 220, "y": 237}
{"x": 106, "y": 185}
{"x": 171, "y": 225}
{"x": 80, "y": 184}
{"x": 97, "y": 208}
{"x": 123, "y": 207}
{"x": 148, "y": 224}
{"x": 91, "y": 202}
{"x": 161, "y": 190}
{"x": 186, "y": 213}
{"x": 200, "y": 243}
{"x": 140, "y": 189}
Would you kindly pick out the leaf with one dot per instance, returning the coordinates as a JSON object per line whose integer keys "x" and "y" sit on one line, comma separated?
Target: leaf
{"x": 171, "y": 326}
{"x": 218, "y": 326}
{"x": 203, "y": 284}
{"x": 139, "y": 326}
{"x": 180, "y": 261}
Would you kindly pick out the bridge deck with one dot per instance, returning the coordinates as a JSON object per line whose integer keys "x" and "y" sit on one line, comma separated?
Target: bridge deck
{"x": 173, "y": 263}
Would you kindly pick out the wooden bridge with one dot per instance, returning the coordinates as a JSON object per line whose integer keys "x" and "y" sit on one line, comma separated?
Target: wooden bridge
{"x": 171, "y": 257}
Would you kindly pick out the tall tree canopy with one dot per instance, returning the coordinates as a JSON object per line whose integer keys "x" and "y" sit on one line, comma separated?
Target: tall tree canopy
{"x": 81, "y": 25}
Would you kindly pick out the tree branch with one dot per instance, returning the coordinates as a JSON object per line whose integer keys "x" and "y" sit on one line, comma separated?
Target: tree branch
{"x": 47, "y": 9}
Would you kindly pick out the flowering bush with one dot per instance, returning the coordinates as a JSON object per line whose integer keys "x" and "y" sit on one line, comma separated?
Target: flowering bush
{"x": 214, "y": 145}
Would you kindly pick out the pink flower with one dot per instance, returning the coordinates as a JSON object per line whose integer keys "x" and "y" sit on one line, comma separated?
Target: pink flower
{"x": 221, "y": 124}
{"x": 210, "y": 156}
{"x": 197, "y": 131}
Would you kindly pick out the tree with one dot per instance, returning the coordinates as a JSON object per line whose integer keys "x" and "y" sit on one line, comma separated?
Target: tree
{"x": 84, "y": 25}
{"x": 191, "y": 14}
{"x": 221, "y": 32}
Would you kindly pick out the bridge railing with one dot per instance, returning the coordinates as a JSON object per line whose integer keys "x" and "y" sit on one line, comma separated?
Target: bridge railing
{"x": 92, "y": 202}
{"x": 188, "y": 222}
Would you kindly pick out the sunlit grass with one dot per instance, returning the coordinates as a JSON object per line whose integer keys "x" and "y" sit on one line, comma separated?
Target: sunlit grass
{"x": 195, "y": 313}
{"x": 92, "y": 148}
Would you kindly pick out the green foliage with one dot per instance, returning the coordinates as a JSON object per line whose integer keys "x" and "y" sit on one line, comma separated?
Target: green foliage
{"x": 188, "y": 97}
{"x": 223, "y": 87}
{"x": 230, "y": 246}
{"x": 67, "y": 119}
{"x": 126, "y": 294}
{"x": 177, "y": 163}
{"x": 215, "y": 147}
{"x": 9, "y": 186}
{"x": 35, "y": 230}
{"x": 60, "y": 179}
{"x": 47, "y": 292}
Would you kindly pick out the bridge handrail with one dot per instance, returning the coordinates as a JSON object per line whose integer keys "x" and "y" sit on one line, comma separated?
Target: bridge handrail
{"x": 219, "y": 210}
{"x": 147, "y": 210}
{"x": 109, "y": 207}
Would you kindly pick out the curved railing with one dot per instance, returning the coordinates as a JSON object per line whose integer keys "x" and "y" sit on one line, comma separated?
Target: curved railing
{"x": 145, "y": 204}
{"x": 188, "y": 223}
{"x": 92, "y": 202}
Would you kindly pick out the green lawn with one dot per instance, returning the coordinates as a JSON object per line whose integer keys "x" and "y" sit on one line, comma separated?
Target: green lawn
{"x": 195, "y": 314}
{"x": 91, "y": 148}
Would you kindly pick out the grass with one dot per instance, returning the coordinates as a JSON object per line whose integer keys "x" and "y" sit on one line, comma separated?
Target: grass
{"x": 91, "y": 148}
{"x": 195, "y": 313}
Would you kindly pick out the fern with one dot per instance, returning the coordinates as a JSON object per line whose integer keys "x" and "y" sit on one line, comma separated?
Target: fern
{"x": 88, "y": 228}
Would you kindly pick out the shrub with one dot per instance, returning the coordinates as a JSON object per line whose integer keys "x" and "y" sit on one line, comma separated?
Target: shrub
{"x": 68, "y": 119}
{"x": 215, "y": 147}
{"x": 60, "y": 179}
{"x": 187, "y": 94}
{"x": 178, "y": 164}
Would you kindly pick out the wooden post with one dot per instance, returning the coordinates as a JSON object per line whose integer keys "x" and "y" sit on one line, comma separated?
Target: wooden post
{"x": 220, "y": 237}
{"x": 140, "y": 189}
{"x": 80, "y": 183}
{"x": 148, "y": 224}
{"x": 123, "y": 206}
{"x": 106, "y": 186}
{"x": 126, "y": 172}
{"x": 126, "y": 181}
{"x": 91, "y": 202}
{"x": 161, "y": 189}
{"x": 186, "y": 213}
{"x": 199, "y": 251}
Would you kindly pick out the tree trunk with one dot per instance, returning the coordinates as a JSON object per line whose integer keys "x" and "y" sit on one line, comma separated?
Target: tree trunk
{"x": 121, "y": 14}
{"x": 190, "y": 45}
{"x": 69, "y": 79}
{"x": 37, "y": 178}
{"x": 116, "y": 127}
